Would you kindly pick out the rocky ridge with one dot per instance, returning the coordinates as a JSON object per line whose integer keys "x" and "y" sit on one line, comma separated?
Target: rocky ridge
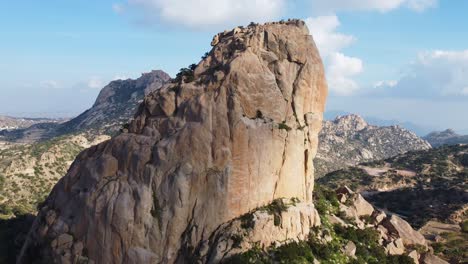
{"x": 250, "y": 113}
{"x": 350, "y": 140}
{"x": 114, "y": 108}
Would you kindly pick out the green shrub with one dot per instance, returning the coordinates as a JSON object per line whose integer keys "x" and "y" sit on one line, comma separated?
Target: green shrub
{"x": 284, "y": 126}
{"x": 247, "y": 221}
{"x": 464, "y": 226}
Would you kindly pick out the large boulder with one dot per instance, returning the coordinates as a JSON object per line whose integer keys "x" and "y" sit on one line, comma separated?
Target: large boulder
{"x": 233, "y": 134}
{"x": 402, "y": 229}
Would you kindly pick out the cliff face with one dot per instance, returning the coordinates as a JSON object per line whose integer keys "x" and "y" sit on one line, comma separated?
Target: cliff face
{"x": 233, "y": 134}
{"x": 350, "y": 140}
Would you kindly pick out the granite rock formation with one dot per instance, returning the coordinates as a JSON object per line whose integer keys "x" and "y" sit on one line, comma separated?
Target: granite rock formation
{"x": 230, "y": 135}
{"x": 349, "y": 140}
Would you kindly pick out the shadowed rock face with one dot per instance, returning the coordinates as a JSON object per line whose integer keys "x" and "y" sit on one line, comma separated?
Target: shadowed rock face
{"x": 236, "y": 133}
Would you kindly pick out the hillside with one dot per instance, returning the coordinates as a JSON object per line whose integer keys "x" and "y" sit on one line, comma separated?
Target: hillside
{"x": 446, "y": 137}
{"x": 28, "y": 172}
{"x": 350, "y": 140}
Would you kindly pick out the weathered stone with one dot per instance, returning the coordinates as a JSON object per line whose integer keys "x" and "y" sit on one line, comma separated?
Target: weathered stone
{"x": 395, "y": 247}
{"x": 350, "y": 249}
{"x": 199, "y": 154}
{"x": 334, "y": 220}
{"x": 415, "y": 256}
{"x": 362, "y": 206}
{"x": 402, "y": 229}
{"x": 378, "y": 216}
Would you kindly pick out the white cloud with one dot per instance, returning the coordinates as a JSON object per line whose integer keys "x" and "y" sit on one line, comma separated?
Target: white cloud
{"x": 332, "y": 6}
{"x": 340, "y": 69}
{"x": 208, "y": 13}
{"x": 50, "y": 84}
{"x": 323, "y": 30}
{"x": 384, "y": 84}
{"x": 95, "y": 83}
{"x": 435, "y": 74}
{"x": 118, "y": 8}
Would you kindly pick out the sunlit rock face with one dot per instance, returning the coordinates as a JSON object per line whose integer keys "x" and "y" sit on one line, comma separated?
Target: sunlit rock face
{"x": 237, "y": 132}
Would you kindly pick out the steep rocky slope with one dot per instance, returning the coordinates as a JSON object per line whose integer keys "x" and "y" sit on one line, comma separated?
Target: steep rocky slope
{"x": 114, "y": 107}
{"x": 232, "y": 134}
{"x": 446, "y": 137}
{"x": 350, "y": 140}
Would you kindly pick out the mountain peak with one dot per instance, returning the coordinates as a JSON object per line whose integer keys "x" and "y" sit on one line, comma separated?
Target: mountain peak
{"x": 236, "y": 132}
{"x": 350, "y": 122}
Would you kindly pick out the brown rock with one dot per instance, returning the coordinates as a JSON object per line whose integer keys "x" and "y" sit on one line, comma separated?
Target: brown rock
{"x": 362, "y": 206}
{"x": 350, "y": 249}
{"x": 199, "y": 154}
{"x": 378, "y": 216}
{"x": 415, "y": 256}
{"x": 395, "y": 247}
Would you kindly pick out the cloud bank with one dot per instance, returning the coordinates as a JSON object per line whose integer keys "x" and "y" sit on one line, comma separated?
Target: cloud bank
{"x": 204, "y": 14}
{"x": 436, "y": 74}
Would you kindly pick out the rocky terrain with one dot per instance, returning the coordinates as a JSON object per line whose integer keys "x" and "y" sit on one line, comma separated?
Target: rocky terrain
{"x": 428, "y": 188}
{"x": 446, "y": 137}
{"x": 350, "y": 140}
{"x": 351, "y": 231}
{"x": 114, "y": 108}
{"x": 229, "y": 135}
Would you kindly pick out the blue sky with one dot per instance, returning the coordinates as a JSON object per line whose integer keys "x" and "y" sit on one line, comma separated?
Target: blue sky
{"x": 392, "y": 59}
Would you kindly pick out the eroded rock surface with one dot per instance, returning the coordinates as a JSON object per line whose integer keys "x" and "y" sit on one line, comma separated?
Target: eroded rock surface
{"x": 234, "y": 134}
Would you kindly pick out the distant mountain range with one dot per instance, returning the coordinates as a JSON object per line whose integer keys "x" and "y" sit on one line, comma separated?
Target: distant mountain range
{"x": 446, "y": 137}
{"x": 417, "y": 129}
{"x": 12, "y": 123}
{"x": 115, "y": 106}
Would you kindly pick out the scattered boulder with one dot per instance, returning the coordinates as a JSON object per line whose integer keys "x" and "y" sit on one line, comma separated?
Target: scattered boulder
{"x": 363, "y": 207}
{"x": 400, "y": 228}
{"x": 350, "y": 249}
{"x": 415, "y": 256}
{"x": 395, "y": 247}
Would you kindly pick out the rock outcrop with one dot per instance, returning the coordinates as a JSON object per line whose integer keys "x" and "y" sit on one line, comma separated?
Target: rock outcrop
{"x": 350, "y": 140}
{"x": 228, "y": 136}
{"x": 116, "y": 104}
